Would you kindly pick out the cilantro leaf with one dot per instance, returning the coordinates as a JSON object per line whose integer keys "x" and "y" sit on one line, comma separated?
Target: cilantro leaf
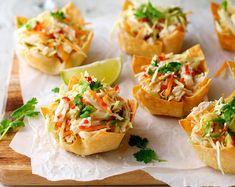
{"x": 25, "y": 110}
{"x": 86, "y": 111}
{"x": 150, "y": 72}
{"x": 58, "y": 15}
{"x": 219, "y": 120}
{"x": 77, "y": 101}
{"x": 170, "y": 67}
{"x": 146, "y": 156}
{"x": 56, "y": 90}
{"x": 224, "y": 5}
{"x": 154, "y": 63}
{"x": 149, "y": 12}
{"x": 114, "y": 122}
{"x": 228, "y": 111}
{"x": 4, "y": 125}
{"x": 138, "y": 141}
{"x": 95, "y": 85}
{"x": 17, "y": 116}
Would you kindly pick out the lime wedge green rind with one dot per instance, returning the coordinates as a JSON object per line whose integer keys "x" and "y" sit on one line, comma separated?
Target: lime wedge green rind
{"x": 106, "y": 71}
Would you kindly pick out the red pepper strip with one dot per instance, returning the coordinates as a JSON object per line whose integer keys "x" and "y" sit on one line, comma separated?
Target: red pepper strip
{"x": 163, "y": 87}
{"x": 65, "y": 98}
{"x": 187, "y": 70}
{"x": 116, "y": 88}
{"x": 38, "y": 27}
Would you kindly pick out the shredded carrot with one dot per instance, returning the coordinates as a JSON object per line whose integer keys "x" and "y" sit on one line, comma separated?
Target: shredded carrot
{"x": 98, "y": 99}
{"x": 93, "y": 128}
{"x": 80, "y": 32}
{"x": 64, "y": 55}
{"x": 68, "y": 133}
{"x": 58, "y": 125}
{"x": 170, "y": 82}
{"x": 39, "y": 26}
{"x": 221, "y": 69}
{"x": 45, "y": 111}
{"x": 74, "y": 80}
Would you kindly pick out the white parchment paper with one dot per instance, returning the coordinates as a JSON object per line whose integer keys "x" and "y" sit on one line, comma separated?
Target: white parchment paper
{"x": 165, "y": 136}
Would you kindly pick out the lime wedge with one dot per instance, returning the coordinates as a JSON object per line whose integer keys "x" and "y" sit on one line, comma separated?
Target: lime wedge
{"x": 106, "y": 71}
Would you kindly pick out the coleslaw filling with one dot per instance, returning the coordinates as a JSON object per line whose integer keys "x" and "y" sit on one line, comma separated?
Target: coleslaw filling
{"x": 52, "y": 34}
{"x": 226, "y": 21}
{"x": 150, "y": 22}
{"x": 172, "y": 77}
{"x": 88, "y": 108}
{"x": 214, "y": 125}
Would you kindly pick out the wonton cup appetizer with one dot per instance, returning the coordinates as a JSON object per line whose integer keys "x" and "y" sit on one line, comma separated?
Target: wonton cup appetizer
{"x": 169, "y": 84}
{"x": 211, "y": 129}
{"x": 53, "y": 40}
{"x": 147, "y": 30}
{"x": 90, "y": 117}
{"x": 224, "y": 17}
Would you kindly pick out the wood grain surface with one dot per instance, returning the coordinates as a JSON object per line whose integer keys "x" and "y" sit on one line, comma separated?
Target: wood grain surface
{"x": 15, "y": 169}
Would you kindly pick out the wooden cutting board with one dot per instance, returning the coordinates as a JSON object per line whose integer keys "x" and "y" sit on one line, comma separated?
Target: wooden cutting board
{"x": 15, "y": 169}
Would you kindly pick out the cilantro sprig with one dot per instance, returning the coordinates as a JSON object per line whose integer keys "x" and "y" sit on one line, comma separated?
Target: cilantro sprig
{"x": 58, "y": 15}
{"x": 16, "y": 118}
{"x": 56, "y": 90}
{"x": 96, "y": 85}
{"x": 170, "y": 67}
{"x": 138, "y": 141}
{"x": 145, "y": 154}
{"x": 227, "y": 115}
{"x": 149, "y": 12}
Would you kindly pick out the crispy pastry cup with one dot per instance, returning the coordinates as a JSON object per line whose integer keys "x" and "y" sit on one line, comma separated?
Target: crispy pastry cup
{"x": 97, "y": 143}
{"x": 226, "y": 40}
{"x": 157, "y": 106}
{"x": 208, "y": 155}
{"x": 136, "y": 46}
{"x": 52, "y": 65}
{"x": 231, "y": 65}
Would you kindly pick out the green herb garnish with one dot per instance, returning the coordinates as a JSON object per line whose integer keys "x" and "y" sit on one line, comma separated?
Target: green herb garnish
{"x": 86, "y": 111}
{"x": 170, "y": 67}
{"x": 150, "y": 72}
{"x": 154, "y": 63}
{"x": 138, "y": 141}
{"x": 16, "y": 118}
{"x": 58, "y": 15}
{"x": 228, "y": 111}
{"x": 96, "y": 85}
{"x": 149, "y": 12}
{"x": 145, "y": 154}
{"x": 56, "y": 90}
{"x": 224, "y": 5}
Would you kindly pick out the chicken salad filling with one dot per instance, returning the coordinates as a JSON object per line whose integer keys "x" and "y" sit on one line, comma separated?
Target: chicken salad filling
{"x": 150, "y": 22}
{"x": 226, "y": 18}
{"x": 87, "y": 108}
{"x": 171, "y": 77}
{"x": 53, "y": 34}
